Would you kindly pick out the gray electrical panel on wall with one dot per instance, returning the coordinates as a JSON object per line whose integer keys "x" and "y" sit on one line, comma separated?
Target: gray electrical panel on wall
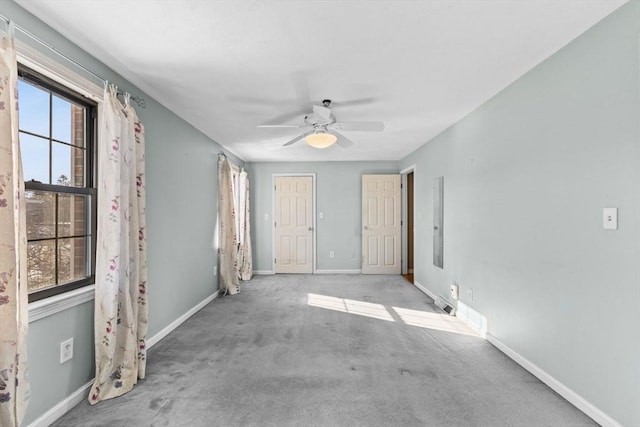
{"x": 438, "y": 216}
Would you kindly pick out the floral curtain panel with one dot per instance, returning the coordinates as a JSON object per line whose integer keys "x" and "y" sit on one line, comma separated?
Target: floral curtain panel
{"x": 14, "y": 387}
{"x": 228, "y": 244}
{"x": 245, "y": 263}
{"x": 234, "y": 226}
{"x": 121, "y": 256}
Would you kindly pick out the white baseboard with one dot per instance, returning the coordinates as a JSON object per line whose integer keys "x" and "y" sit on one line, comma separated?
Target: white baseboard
{"x": 338, "y": 271}
{"x": 271, "y": 272}
{"x": 63, "y": 407}
{"x": 180, "y": 320}
{"x": 425, "y": 290}
{"x": 578, "y": 401}
{"x": 79, "y": 395}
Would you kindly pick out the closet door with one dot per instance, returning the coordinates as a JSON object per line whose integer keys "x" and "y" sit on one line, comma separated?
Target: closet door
{"x": 294, "y": 224}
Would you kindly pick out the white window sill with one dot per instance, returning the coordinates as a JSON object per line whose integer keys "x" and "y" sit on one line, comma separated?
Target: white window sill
{"x": 55, "y": 304}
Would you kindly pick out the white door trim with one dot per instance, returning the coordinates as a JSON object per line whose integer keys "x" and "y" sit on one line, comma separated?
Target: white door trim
{"x": 273, "y": 215}
{"x": 405, "y": 217}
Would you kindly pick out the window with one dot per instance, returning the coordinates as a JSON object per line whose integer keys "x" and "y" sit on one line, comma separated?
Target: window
{"x": 239, "y": 197}
{"x": 57, "y": 141}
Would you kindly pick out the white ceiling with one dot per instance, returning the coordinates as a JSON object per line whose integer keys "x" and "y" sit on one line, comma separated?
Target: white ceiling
{"x": 228, "y": 66}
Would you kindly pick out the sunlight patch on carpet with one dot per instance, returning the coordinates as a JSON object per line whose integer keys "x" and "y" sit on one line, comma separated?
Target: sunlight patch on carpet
{"x": 422, "y": 319}
{"x": 437, "y": 321}
{"x": 361, "y": 308}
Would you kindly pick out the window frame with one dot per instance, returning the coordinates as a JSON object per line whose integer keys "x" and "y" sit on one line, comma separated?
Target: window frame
{"x": 89, "y": 189}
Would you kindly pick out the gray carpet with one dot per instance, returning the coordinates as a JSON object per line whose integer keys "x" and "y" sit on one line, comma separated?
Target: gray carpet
{"x": 266, "y": 357}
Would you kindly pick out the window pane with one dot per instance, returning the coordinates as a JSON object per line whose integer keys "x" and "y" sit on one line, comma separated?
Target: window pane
{"x": 34, "y": 109}
{"x": 41, "y": 271}
{"x": 35, "y": 158}
{"x": 62, "y": 126}
{"x": 67, "y": 165}
{"x": 71, "y": 259}
{"x": 71, "y": 215}
{"x": 41, "y": 214}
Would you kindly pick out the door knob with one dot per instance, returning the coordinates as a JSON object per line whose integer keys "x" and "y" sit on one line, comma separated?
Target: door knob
{"x": 365, "y": 227}
{"x": 310, "y": 228}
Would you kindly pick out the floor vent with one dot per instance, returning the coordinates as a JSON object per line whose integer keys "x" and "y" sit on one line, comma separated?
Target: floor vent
{"x": 445, "y": 306}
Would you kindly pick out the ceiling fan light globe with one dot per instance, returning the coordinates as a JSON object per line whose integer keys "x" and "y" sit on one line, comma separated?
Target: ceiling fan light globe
{"x": 321, "y": 140}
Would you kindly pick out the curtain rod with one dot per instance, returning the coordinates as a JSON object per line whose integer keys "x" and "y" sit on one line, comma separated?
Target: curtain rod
{"x": 138, "y": 100}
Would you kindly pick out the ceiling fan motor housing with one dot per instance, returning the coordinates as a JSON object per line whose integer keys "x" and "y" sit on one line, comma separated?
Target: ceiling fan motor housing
{"x": 321, "y": 116}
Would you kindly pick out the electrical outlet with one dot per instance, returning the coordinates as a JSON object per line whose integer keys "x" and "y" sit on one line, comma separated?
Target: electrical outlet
{"x": 455, "y": 291}
{"x": 331, "y": 254}
{"x": 469, "y": 294}
{"x": 215, "y": 270}
{"x": 266, "y": 217}
{"x": 321, "y": 215}
{"x": 66, "y": 350}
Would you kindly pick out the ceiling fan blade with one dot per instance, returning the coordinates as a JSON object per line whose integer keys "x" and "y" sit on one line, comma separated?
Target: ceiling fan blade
{"x": 254, "y": 100}
{"x": 357, "y": 101}
{"x": 297, "y": 138}
{"x": 300, "y": 80}
{"x": 342, "y": 140}
{"x": 360, "y": 126}
{"x": 283, "y": 126}
{"x": 297, "y": 114}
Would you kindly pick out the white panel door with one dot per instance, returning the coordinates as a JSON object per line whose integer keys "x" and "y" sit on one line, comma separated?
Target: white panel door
{"x": 381, "y": 230}
{"x": 294, "y": 224}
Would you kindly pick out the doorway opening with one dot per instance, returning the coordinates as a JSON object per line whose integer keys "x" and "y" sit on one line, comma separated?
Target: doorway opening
{"x": 408, "y": 222}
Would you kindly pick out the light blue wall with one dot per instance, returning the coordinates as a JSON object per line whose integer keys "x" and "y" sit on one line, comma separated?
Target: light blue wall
{"x": 526, "y": 177}
{"x": 338, "y": 197}
{"x": 181, "y": 167}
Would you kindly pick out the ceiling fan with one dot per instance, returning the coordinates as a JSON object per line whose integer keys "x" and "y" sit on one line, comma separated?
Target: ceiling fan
{"x": 322, "y": 128}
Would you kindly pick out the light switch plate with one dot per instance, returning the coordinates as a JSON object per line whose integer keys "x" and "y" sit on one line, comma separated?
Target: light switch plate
{"x": 610, "y": 218}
